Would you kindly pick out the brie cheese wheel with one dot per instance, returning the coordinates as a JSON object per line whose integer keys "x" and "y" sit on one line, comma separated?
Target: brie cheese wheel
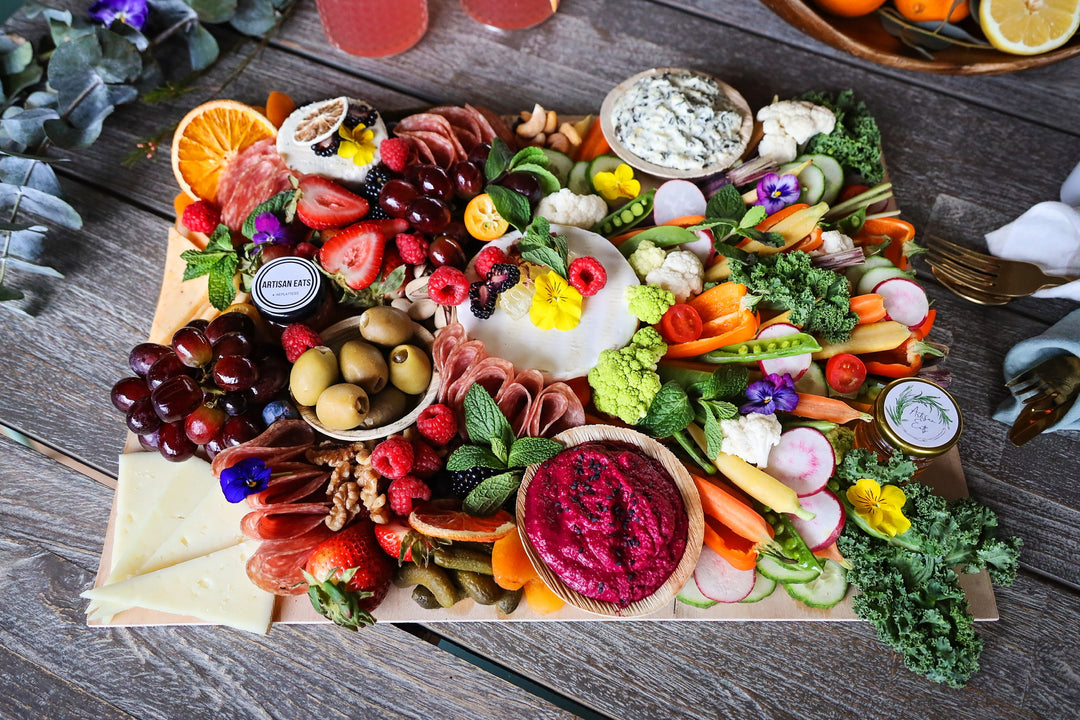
{"x": 296, "y": 135}
{"x": 605, "y": 324}
{"x": 213, "y": 588}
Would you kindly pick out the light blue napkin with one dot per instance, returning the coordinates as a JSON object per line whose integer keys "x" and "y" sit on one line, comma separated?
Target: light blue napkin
{"x": 1061, "y": 339}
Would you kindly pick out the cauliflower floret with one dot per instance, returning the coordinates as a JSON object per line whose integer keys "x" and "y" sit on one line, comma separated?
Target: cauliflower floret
{"x": 567, "y": 208}
{"x": 751, "y": 437}
{"x": 646, "y": 258}
{"x": 624, "y": 382}
{"x": 833, "y": 241}
{"x": 790, "y": 123}
{"x": 648, "y": 303}
{"x": 682, "y": 273}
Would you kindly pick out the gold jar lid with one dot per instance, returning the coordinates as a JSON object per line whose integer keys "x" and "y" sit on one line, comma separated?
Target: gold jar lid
{"x": 917, "y": 417}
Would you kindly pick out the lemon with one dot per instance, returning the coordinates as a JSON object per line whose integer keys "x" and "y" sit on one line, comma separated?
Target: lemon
{"x": 1029, "y": 27}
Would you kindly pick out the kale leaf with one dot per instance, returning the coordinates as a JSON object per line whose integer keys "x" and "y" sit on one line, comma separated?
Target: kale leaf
{"x": 855, "y": 142}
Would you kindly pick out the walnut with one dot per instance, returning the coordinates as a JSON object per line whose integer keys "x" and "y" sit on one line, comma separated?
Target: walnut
{"x": 346, "y": 499}
{"x": 352, "y": 483}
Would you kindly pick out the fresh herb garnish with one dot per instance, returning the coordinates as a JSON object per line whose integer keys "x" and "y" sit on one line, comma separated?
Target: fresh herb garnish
{"x": 494, "y": 446}
{"x": 539, "y": 246}
{"x": 219, "y": 260}
{"x": 512, "y": 206}
{"x": 727, "y": 216}
{"x": 855, "y": 142}
{"x": 708, "y": 401}
{"x": 283, "y": 205}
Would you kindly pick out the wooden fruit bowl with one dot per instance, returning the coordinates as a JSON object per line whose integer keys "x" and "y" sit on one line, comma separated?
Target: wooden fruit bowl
{"x": 865, "y": 37}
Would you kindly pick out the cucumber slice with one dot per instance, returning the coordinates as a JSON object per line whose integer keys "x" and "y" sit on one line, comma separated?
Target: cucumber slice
{"x": 763, "y": 588}
{"x": 811, "y": 181}
{"x": 855, "y": 272}
{"x": 812, "y": 381}
{"x": 824, "y": 591}
{"x": 559, "y": 164}
{"x": 691, "y": 595}
{"x": 578, "y": 181}
{"x": 785, "y": 573}
{"x": 833, "y": 172}
{"x": 872, "y": 277}
{"x": 603, "y": 163}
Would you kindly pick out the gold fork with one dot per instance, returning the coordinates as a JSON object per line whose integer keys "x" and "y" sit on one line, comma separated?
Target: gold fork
{"x": 974, "y": 296}
{"x": 985, "y": 274}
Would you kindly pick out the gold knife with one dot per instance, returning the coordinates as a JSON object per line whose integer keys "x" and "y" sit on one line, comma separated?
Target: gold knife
{"x": 1037, "y": 417}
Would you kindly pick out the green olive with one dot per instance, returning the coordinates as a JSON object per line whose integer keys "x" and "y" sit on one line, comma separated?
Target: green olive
{"x": 342, "y": 406}
{"x": 313, "y": 372}
{"x": 386, "y": 407}
{"x": 363, "y": 364}
{"x": 386, "y": 325}
{"x": 410, "y": 369}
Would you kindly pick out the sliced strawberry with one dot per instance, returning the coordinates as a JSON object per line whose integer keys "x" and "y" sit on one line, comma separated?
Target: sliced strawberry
{"x": 355, "y": 254}
{"x": 325, "y": 204}
{"x": 398, "y": 540}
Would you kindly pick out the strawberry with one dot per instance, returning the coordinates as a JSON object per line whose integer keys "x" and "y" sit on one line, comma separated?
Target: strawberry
{"x": 355, "y": 254}
{"x": 325, "y": 204}
{"x": 348, "y": 575}
{"x": 399, "y": 541}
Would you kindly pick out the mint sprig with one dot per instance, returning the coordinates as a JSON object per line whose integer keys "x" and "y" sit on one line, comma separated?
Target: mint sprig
{"x": 539, "y": 246}
{"x": 727, "y": 216}
{"x": 219, "y": 261}
{"x": 283, "y": 205}
{"x": 512, "y": 206}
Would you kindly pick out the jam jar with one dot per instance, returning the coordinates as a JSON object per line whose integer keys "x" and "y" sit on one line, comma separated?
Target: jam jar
{"x": 290, "y": 290}
{"x": 914, "y": 416}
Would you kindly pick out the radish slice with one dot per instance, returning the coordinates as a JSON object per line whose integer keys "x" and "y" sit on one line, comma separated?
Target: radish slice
{"x": 794, "y": 365}
{"x": 702, "y": 247}
{"x": 804, "y": 460}
{"x": 905, "y": 301}
{"x": 828, "y": 520}
{"x": 718, "y": 580}
{"x": 676, "y": 199}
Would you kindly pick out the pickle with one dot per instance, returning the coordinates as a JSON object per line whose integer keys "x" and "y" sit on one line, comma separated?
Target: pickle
{"x": 458, "y": 558}
{"x": 425, "y": 598}
{"x": 433, "y": 578}
{"x": 481, "y": 588}
{"x": 508, "y": 601}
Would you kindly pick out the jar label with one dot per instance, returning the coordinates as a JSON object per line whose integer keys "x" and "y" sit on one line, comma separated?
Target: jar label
{"x": 922, "y": 414}
{"x": 285, "y": 285}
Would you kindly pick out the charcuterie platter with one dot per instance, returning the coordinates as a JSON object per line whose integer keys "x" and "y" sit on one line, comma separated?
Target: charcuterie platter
{"x": 462, "y": 367}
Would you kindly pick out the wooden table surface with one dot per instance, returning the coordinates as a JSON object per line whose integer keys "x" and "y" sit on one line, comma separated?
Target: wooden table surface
{"x": 992, "y": 145}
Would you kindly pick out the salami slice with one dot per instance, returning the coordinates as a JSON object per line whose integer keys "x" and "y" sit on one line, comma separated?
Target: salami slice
{"x": 283, "y": 522}
{"x": 303, "y": 482}
{"x": 446, "y": 340}
{"x": 441, "y": 147}
{"x": 460, "y": 359}
{"x": 491, "y": 373}
{"x": 516, "y": 397}
{"x": 253, "y": 176}
{"x": 492, "y": 125}
{"x": 283, "y": 441}
{"x": 430, "y": 121}
{"x": 555, "y": 408}
{"x": 462, "y": 119}
{"x": 420, "y": 148}
{"x": 276, "y": 566}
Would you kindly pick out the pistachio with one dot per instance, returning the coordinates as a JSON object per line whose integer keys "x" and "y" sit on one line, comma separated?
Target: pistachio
{"x": 417, "y": 289}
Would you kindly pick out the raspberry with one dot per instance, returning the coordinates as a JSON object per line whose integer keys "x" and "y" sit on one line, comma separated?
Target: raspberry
{"x": 437, "y": 424}
{"x": 488, "y": 256}
{"x": 403, "y": 491}
{"x": 426, "y": 463}
{"x": 395, "y": 153}
{"x": 587, "y": 275}
{"x": 393, "y": 457}
{"x": 201, "y": 216}
{"x": 448, "y": 286}
{"x": 412, "y": 248}
{"x": 297, "y": 339}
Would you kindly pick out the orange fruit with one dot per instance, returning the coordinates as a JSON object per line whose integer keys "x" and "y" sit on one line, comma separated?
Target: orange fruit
{"x": 208, "y": 138}
{"x": 278, "y": 107}
{"x": 541, "y": 598}
{"x": 849, "y": 8}
{"x": 444, "y": 519}
{"x": 933, "y": 10}
{"x": 482, "y": 220}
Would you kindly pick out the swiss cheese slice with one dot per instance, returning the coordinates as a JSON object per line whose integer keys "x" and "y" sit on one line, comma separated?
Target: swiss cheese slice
{"x": 213, "y": 525}
{"x": 213, "y": 588}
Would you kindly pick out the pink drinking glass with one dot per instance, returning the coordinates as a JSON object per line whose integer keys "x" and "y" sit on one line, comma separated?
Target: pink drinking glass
{"x": 373, "y": 28}
{"x": 510, "y": 14}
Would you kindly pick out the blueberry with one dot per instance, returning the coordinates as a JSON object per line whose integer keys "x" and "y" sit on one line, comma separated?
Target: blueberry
{"x": 279, "y": 410}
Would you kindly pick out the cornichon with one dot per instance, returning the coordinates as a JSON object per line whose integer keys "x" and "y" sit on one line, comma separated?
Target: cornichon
{"x": 764, "y": 349}
{"x": 433, "y": 578}
{"x": 425, "y": 598}
{"x": 508, "y": 601}
{"x": 660, "y": 236}
{"x": 626, "y": 216}
{"x": 481, "y": 588}
{"x": 463, "y": 559}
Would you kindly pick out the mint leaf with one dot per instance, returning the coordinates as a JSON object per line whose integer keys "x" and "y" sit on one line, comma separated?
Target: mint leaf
{"x": 467, "y": 457}
{"x": 501, "y": 450}
{"x": 498, "y": 159}
{"x": 221, "y": 288}
{"x": 772, "y": 239}
{"x": 714, "y": 436}
{"x": 512, "y": 206}
{"x": 220, "y": 241}
{"x": 726, "y": 203}
{"x": 484, "y": 421}
{"x": 197, "y": 263}
{"x": 531, "y": 450}
{"x": 668, "y": 413}
{"x": 548, "y": 182}
{"x": 487, "y": 497}
{"x": 528, "y": 155}
{"x": 726, "y": 383}
{"x": 539, "y": 246}
{"x": 542, "y": 255}
{"x": 283, "y": 205}
{"x": 753, "y": 216}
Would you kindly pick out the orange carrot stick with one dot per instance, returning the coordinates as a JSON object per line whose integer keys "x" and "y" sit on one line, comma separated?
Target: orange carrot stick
{"x": 819, "y": 407}
{"x": 869, "y": 307}
{"x": 740, "y": 518}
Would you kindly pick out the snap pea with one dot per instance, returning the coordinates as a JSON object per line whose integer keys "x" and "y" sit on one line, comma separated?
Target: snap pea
{"x": 661, "y": 236}
{"x": 765, "y": 349}
{"x": 787, "y": 537}
{"x": 627, "y": 216}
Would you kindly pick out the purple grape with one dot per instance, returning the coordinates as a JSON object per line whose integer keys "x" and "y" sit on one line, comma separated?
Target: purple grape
{"x": 204, "y": 423}
{"x": 479, "y": 153}
{"x": 126, "y": 391}
{"x": 233, "y": 372}
{"x": 232, "y": 343}
{"x": 141, "y": 417}
{"x": 227, "y": 323}
{"x": 523, "y": 183}
{"x": 468, "y": 180}
{"x": 433, "y": 181}
{"x": 151, "y": 441}
{"x": 234, "y": 403}
{"x": 174, "y": 444}
{"x": 395, "y": 196}
{"x": 445, "y": 250}
{"x": 273, "y": 377}
{"x": 176, "y": 397}
{"x": 239, "y": 430}
{"x": 143, "y": 356}
{"x": 192, "y": 347}
{"x": 428, "y": 214}
{"x": 167, "y": 367}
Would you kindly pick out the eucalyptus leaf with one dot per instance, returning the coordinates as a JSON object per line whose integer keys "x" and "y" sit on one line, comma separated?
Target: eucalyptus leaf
{"x": 16, "y": 53}
{"x": 71, "y": 65}
{"x": 202, "y": 47}
{"x": 32, "y": 172}
{"x": 120, "y": 59}
{"x": 33, "y": 268}
{"x": 25, "y": 127}
{"x": 122, "y": 94}
{"x": 28, "y": 244}
{"x": 16, "y": 83}
{"x": 167, "y": 13}
{"x": 7, "y": 294}
{"x": 132, "y": 35}
{"x": 254, "y": 17}
{"x": 66, "y": 135}
{"x": 38, "y": 203}
{"x": 17, "y": 227}
{"x": 213, "y": 11}
{"x": 40, "y": 99}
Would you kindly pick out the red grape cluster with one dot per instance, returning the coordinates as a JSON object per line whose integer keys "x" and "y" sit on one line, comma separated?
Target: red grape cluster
{"x": 206, "y": 388}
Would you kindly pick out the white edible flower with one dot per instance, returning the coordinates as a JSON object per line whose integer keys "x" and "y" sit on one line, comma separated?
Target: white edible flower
{"x": 568, "y": 208}
{"x": 751, "y": 437}
{"x": 681, "y": 274}
{"x": 788, "y": 124}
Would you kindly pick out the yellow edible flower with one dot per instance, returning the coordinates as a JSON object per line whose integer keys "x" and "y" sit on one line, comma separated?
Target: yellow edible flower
{"x": 618, "y": 184}
{"x": 880, "y": 507}
{"x": 357, "y": 144}
{"x": 555, "y": 303}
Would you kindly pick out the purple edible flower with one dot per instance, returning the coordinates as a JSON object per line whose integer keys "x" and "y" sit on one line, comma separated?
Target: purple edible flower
{"x": 130, "y": 12}
{"x": 269, "y": 229}
{"x": 772, "y": 393}
{"x": 775, "y": 192}
{"x": 246, "y": 477}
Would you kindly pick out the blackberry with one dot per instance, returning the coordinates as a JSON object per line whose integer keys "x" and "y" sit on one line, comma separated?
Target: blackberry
{"x": 328, "y": 147}
{"x": 502, "y": 276}
{"x": 375, "y": 211}
{"x": 360, "y": 114}
{"x": 462, "y": 482}
{"x": 482, "y": 299}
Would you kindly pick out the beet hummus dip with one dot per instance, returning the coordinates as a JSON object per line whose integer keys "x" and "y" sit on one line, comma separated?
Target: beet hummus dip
{"x": 608, "y": 520}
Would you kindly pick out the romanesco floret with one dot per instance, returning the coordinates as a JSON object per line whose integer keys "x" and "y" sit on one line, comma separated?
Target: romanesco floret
{"x": 646, "y": 258}
{"x": 624, "y": 382}
{"x": 568, "y": 208}
{"x": 648, "y": 303}
{"x": 682, "y": 273}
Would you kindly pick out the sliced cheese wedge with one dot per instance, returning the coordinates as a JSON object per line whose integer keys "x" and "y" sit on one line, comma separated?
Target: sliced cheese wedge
{"x": 213, "y": 588}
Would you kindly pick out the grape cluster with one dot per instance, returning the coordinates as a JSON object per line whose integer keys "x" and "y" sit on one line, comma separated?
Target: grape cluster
{"x": 209, "y": 387}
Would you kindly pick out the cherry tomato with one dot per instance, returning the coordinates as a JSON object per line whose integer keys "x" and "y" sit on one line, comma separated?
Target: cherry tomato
{"x": 681, "y": 323}
{"x": 845, "y": 373}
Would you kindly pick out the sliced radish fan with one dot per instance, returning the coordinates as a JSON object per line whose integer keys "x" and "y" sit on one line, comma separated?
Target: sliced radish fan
{"x": 794, "y": 365}
{"x": 804, "y": 460}
{"x": 676, "y": 199}
{"x": 718, "y": 580}
{"x": 828, "y": 520}
{"x": 905, "y": 301}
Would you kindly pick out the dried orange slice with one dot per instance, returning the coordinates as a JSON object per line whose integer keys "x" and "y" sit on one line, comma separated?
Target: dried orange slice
{"x": 482, "y": 220}
{"x": 445, "y": 519}
{"x": 208, "y": 138}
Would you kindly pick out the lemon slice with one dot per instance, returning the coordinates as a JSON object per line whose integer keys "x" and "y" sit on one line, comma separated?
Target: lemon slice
{"x": 1029, "y": 27}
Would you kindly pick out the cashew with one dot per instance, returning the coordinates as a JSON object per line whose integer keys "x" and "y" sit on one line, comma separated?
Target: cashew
{"x": 535, "y": 124}
{"x": 551, "y": 122}
{"x": 537, "y": 140}
{"x": 571, "y": 134}
{"x": 558, "y": 141}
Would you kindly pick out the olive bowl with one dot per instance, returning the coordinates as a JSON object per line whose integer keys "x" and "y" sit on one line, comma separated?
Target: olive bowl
{"x": 349, "y": 329}
{"x": 665, "y": 594}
